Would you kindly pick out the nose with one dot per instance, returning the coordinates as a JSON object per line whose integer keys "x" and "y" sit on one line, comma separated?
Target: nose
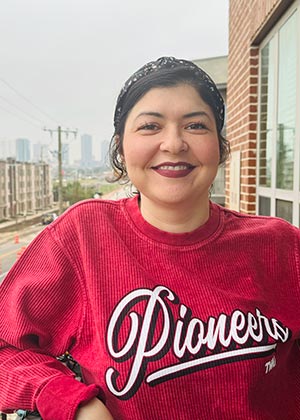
{"x": 173, "y": 142}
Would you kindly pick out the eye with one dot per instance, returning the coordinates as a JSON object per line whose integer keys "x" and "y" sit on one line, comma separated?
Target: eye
{"x": 149, "y": 127}
{"x": 196, "y": 126}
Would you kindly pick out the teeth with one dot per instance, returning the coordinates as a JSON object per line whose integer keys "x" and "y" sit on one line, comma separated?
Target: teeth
{"x": 173, "y": 168}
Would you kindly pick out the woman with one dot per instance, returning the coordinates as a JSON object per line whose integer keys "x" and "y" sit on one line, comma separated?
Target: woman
{"x": 174, "y": 307}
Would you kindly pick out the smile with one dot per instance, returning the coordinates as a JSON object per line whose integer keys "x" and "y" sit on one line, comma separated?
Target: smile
{"x": 173, "y": 170}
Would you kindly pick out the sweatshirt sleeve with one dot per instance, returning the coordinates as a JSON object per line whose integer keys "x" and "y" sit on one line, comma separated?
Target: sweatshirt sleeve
{"x": 41, "y": 315}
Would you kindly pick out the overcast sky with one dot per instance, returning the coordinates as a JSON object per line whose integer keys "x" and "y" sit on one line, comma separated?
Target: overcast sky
{"x": 68, "y": 59}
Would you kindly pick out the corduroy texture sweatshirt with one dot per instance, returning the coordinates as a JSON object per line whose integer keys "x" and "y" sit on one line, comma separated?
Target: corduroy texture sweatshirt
{"x": 200, "y": 325}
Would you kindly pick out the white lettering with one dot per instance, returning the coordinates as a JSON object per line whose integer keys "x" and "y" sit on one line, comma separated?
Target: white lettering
{"x": 271, "y": 364}
{"x": 152, "y": 331}
{"x": 141, "y": 352}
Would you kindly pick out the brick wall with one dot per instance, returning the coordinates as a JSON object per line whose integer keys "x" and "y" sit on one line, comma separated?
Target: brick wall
{"x": 248, "y": 22}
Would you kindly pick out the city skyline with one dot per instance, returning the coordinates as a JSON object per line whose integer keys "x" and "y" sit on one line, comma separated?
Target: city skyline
{"x": 44, "y": 152}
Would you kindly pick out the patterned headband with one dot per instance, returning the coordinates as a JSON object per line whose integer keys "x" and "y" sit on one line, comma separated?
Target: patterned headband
{"x": 171, "y": 63}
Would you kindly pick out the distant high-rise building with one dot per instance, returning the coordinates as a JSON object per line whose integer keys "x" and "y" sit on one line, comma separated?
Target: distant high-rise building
{"x": 104, "y": 152}
{"x": 40, "y": 152}
{"x": 86, "y": 150}
{"x": 23, "y": 150}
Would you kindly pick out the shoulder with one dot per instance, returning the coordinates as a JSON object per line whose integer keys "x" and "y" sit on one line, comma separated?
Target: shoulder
{"x": 86, "y": 215}
{"x": 90, "y": 208}
{"x": 259, "y": 225}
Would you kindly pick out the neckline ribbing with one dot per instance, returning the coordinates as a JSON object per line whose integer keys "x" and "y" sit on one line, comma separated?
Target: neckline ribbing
{"x": 199, "y": 235}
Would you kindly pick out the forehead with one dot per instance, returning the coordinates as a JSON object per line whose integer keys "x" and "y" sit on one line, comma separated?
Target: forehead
{"x": 181, "y": 97}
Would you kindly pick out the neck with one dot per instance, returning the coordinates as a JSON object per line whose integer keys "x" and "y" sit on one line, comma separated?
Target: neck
{"x": 174, "y": 218}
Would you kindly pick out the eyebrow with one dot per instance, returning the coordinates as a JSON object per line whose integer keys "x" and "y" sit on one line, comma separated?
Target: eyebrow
{"x": 152, "y": 114}
{"x": 197, "y": 114}
{"x": 189, "y": 115}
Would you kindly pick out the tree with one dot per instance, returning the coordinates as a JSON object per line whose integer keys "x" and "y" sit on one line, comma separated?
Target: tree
{"x": 74, "y": 192}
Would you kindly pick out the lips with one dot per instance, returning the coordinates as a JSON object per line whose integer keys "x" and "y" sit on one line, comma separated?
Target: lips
{"x": 173, "y": 169}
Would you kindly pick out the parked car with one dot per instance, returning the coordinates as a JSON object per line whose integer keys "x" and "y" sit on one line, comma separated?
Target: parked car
{"x": 48, "y": 218}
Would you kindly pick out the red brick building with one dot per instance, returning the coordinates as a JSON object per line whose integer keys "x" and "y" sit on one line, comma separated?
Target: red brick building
{"x": 263, "y": 108}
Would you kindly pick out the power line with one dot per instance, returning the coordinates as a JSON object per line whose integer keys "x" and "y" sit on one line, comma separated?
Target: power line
{"x": 27, "y": 100}
{"x": 30, "y": 116}
{"x": 19, "y": 109}
{"x": 17, "y": 116}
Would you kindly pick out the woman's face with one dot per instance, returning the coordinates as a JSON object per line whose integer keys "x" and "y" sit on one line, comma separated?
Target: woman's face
{"x": 171, "y": 146}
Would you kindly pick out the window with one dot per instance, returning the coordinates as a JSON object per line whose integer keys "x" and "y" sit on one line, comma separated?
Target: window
{"x": 284, "y": 209}
{"x": 286, "y": 104}
{"x": 264, "y": 206}
{"x": 266, "y": 113}
{"x": 279, "y": 115}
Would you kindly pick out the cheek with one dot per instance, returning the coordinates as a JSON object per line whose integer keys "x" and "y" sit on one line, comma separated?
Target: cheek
{"x": 131, "y": 153}
{"x": 137, "y": 151}
{"x": 209, "y": 152}
{"x": 214, "y": 154}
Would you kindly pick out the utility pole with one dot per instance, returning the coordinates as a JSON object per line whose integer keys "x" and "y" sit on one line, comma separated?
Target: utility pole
{"x": 59, "y": 131}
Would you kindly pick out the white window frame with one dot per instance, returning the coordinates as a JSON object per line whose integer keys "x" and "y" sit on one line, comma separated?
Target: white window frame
{"x": 272, "y": 192}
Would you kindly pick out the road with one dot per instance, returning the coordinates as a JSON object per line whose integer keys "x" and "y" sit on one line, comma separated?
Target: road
{"x": 10, "y": 250}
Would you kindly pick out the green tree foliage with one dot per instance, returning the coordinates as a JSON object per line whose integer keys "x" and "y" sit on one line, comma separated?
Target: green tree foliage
{"x": 74, "y": 192}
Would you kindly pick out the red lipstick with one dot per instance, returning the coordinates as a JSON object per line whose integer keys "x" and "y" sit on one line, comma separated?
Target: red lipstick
{"x": 173, "y": 169}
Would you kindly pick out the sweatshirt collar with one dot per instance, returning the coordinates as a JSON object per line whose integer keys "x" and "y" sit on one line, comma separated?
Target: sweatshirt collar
{"x": 199, "y": 235}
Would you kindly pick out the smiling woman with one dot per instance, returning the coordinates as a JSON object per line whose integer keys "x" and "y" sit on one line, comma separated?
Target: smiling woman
{"x": 172, "y": 155}
{"x": 174, "y": 307}
{"x": 178, "y": 109}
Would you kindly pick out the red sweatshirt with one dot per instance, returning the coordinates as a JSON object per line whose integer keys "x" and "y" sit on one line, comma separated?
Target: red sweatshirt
{"x": 201, "y": 325}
